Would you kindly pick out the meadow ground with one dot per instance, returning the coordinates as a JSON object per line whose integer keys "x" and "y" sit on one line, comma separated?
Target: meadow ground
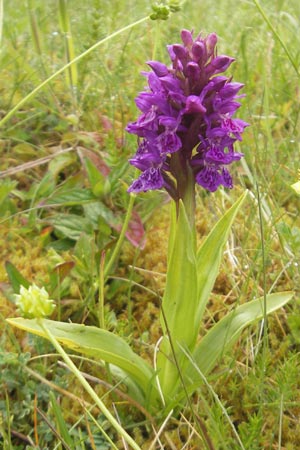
{"x": 63, "y": 199}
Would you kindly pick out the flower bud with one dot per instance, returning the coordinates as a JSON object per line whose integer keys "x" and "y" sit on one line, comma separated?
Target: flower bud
{"x": 174, "y": 5}
{"x": 198, "y": 51}
{"x": 161, "y": 12}
{"x": 158, "y": 68}
{"x": 187, "y": 37}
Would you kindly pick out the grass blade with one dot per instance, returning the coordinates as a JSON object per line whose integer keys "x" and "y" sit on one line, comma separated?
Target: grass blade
{"x": 277, "y": 36}
{"x": 15, "y": 277}
{"x": 60, "y": 422}
{"x": 65, "y": 67}
{"x": 64, "y": 20}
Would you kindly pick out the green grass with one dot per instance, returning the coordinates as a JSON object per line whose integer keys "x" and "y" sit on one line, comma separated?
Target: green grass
{"x": 50, "y": 147}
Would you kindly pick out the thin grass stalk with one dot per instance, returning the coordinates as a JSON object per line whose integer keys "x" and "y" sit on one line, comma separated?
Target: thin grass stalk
{"x": 130, "y": 281}
{"x": 60, "y": 421}
{"x": 64, "y": 20}
{"x": 263, "y": 253}
{"x": 66, "y": 66}
{"x": 121, "y": 238}
{"x": 98, "y": 402}
{"x": 37, "y": 42}
{"x": 54, "y": 431}
{"x": 119, "y": 420}
{"x": 156, "y": 38}
{"x": 201, "y": 426}
{"x": 89, "y": 432}
{"x": 192, "y": 431}
{"x": 266, "y": 76}
{"x": 277, "y": 36}
{"x": 97, "y": 424}
{"x": 280, "y": 423}
{"x": 1, "y": 20}
{"x": 34, "y": 28}
{"x": 55, "y": 387}
{"x": 159, "y": 432}
{"x": 101, "y": 292}
{"x": 215, "y": 396}
{"x": 8, "y": 415}
{"x": 35, "y": 421}
{"x": 81, "y": 439}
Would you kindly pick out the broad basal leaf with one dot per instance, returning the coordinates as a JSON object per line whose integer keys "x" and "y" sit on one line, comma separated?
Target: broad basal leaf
{"x": 96, "y": 342}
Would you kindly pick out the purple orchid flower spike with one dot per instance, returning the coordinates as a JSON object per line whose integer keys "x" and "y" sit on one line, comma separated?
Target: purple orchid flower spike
{"x": 187, "y": 130}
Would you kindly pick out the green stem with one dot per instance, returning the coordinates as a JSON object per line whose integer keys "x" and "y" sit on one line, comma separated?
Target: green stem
{"x": 156, "y": 39}
{"x": 189, "y": 200}
{"x": 66, "y": 66}
{"x": 101, "y": 291}
{"x": 34, "y": 28}
{"x": 88, "y": 388}
{"x": 121, "y": 237}
{"x": 69, "y": 46}
{"x": 263, "y": 256}
{"x": 183, "y": 173}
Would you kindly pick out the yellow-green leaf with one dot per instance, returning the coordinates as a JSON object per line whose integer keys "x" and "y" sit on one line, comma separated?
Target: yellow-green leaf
{"x": 210, "y": 254}
{"x": 226, "y": 332}
{"x": 180, "y": 299}
{"x": 96, "y": 342}
{"x": 296, "y": 187}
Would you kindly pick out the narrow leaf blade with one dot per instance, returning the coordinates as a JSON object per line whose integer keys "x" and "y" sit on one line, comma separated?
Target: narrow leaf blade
{"x": 210, "y": 254}
{"x": 65, "y": 435}
{"x": 226, "y": 332}
{"x": 15, "y": 277}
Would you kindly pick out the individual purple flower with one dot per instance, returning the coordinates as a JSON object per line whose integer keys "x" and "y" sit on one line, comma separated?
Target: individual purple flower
{"x": 150, "y": 179}
{"x": 187, "y": 122}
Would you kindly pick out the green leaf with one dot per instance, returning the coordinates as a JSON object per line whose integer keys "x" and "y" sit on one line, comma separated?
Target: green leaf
{"x": 60, "y": 162}
{"x": 15, "y": 277}
{"x": 94, "y": 211}
{"x": 63, "y": 429}
{"x": 172, "y": 231}
{"x": 96, "y": 178}
{"x": 180, "y": 299}
{"x": 42, "y": 189}
{"x": 70, "y": 225}
{"x": 210, "y": 254}
{"x": 98, "y": 343}
{"x": 70, "y": 197}
{"x": 226, "y": 332}
{"x": 84, "y": 252}
{"x": 6, "y": 187}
